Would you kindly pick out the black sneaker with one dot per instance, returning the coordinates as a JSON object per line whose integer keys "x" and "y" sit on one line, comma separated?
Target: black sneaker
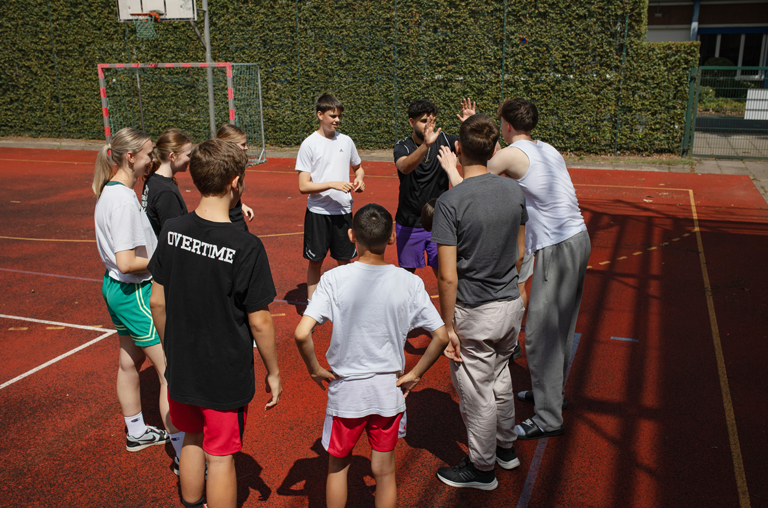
{"x": 465, "y": 475}
{"x": 151, "y": 437}
{"x": 507, "y": 458}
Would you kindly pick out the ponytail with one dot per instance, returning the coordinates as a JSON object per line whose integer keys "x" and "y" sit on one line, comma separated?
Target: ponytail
{"x": 103, "y": 171}
{"x": 124, "y": 141}
{"x": 170, "y": 141}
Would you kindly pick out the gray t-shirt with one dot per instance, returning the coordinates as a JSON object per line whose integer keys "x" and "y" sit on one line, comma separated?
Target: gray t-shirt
{"x": 482, "y": 217}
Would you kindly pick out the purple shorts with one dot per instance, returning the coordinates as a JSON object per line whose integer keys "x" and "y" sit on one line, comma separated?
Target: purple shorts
{"x": 411, "y": 245}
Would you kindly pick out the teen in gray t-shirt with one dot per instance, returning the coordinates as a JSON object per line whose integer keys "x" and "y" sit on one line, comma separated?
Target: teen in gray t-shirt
{"x": 482, "y": 216}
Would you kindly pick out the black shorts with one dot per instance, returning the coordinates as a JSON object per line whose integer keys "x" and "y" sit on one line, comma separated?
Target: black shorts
{"x": 322, "y": 232}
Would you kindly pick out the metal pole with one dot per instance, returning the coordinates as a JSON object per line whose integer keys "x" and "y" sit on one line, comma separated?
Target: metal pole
{"x": 263, "y": 154}
{"x": 621, "y": 87}
{"x": 503, "y": 49}
{"x": 141, "y": 105}
{"x": 209, "y": 70}
{"x": 394, "y": 121}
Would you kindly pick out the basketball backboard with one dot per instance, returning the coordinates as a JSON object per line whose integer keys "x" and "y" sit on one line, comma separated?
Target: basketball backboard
{"x": 169, "y": 10}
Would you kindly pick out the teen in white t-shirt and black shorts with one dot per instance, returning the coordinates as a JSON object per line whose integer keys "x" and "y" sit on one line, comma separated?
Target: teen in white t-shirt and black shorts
{"x": 323, "y": 163}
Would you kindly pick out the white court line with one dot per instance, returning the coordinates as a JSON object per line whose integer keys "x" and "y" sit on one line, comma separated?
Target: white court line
{"x": 51, "y": 275}
{"x": 60, "y": 357}
{"x": 538, "y": 456}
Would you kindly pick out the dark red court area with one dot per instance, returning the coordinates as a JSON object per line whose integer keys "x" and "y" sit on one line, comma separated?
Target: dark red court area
{"x": 667, "y": 387}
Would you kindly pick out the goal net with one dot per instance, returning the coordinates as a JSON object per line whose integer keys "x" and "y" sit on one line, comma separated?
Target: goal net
{"x": 155, "y": 97}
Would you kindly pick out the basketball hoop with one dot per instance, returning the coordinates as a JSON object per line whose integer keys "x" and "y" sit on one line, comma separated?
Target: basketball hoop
{"x": 144, "y": 22}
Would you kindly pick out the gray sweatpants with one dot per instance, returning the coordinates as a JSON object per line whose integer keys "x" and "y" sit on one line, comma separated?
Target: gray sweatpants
{"x": 556, "y": 290}
{"x": 488, "y": 334}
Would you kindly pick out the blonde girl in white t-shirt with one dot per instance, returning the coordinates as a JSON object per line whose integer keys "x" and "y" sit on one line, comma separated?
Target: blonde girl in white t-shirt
{"x": 125, "y": 241}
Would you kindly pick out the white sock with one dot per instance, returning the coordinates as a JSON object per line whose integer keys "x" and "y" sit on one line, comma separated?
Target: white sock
{"x": 177, "y": 440}
{"x": 135, "y": 424}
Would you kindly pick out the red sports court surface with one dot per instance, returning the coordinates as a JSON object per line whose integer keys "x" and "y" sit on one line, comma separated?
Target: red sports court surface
{"x": 667, "y": 386}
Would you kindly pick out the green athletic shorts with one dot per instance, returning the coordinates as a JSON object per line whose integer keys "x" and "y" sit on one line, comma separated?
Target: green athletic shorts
{"x": 128, "y": 306}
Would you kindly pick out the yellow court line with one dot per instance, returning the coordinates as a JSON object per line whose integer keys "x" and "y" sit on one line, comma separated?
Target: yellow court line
{"x": 45, "y": 239}
{"x": 730, "y": 417}
{"x": 281, "y": 234}
{"x": 94, "y": 241}
{"x": 294, "y": 172}
{"x": 49, "y": 162}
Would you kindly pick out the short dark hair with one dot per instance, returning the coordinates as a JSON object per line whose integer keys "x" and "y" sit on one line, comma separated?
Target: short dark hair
{"x": 520, "y": 114}
{"x": 478, "y": 135}
{"x": 328, "y": 102}
{"x": 428, "y": 214}
{"x": 421, "y": 106}
{"x": 214, "y": 163}
{"x": 372, "y": 226}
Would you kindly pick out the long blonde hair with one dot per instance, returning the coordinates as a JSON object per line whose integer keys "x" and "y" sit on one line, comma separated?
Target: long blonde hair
{"x": 124, "y": 141}
{"x": 170, "y": 141}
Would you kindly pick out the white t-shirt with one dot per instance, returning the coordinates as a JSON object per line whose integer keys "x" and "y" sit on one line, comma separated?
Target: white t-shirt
{"x": 121, "y": 225}
{"x": 372, "y": 308}
{"x": 328, "y": 160}
{"x": 553, "y": 210}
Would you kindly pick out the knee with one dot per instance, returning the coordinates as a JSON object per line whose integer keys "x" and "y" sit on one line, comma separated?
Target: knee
{"x": 383, "y": 465}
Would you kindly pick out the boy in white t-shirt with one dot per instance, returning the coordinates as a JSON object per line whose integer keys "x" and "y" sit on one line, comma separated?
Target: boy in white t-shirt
{"x": 323, "y": 163}
{"x": 373, "y": 305}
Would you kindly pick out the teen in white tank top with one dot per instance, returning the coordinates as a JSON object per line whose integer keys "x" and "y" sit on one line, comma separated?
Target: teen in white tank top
{"x": 553, "y": 210}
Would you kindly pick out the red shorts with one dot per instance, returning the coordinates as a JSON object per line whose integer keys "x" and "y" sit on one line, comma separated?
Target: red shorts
{"x": 222, "y": 430}
{"x": 341, "y": 434}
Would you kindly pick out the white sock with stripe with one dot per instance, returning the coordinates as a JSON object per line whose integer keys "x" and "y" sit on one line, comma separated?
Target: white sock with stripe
{"x": 135, "y": 424}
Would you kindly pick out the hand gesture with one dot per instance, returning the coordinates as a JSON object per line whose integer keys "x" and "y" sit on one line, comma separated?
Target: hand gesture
{"x": 341, "y": 186}
{"x": 322, "y": 375}
{"x": 453, "y": 349}
{"x": 359, "y": 184}
{"x": 407, "y": 383}
{"x": 248, "y": 212}
{"x": 467, "y": 109}
{"x": 447, "y": 159}
{"x": 274, "y": 387}
{"x": 430, "y": 135}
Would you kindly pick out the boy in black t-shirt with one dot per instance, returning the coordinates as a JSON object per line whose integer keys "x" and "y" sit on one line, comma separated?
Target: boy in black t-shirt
{"x": 212, "y": 289}
{"x": 421, "y": 179}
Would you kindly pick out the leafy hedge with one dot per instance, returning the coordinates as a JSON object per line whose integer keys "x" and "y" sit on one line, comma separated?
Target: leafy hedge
{"x": 377, "y": 56}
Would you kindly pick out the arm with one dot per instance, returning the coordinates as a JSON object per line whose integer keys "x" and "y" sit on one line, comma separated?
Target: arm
{"x": 448, "y": 161}
{"x": 430, "y": 356}
{"x": 303, "y": 336}
{"x": 520, "y": 247}
{"x": 128, "y": 262}
{"x": 157, "y": 306}
{"x": 447, "y": 283}
{"x": 407, "y": 164}
{"x": 467, "y": 109}
{"x": 510, "y": 161}
{"x": 359, "y": 184}
{"x": 247, "y": 211}
{"x": 307, "y": 186}
{"x": 263, "y": 331}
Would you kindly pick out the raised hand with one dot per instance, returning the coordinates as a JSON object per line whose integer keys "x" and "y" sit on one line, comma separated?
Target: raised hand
{"x": 447, "y": 159}
{"x": 430, "y": 135}
{"x": 468, "y": 108}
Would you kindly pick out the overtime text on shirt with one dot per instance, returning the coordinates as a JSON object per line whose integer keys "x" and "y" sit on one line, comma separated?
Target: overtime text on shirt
{"x": 201, "y": 248}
